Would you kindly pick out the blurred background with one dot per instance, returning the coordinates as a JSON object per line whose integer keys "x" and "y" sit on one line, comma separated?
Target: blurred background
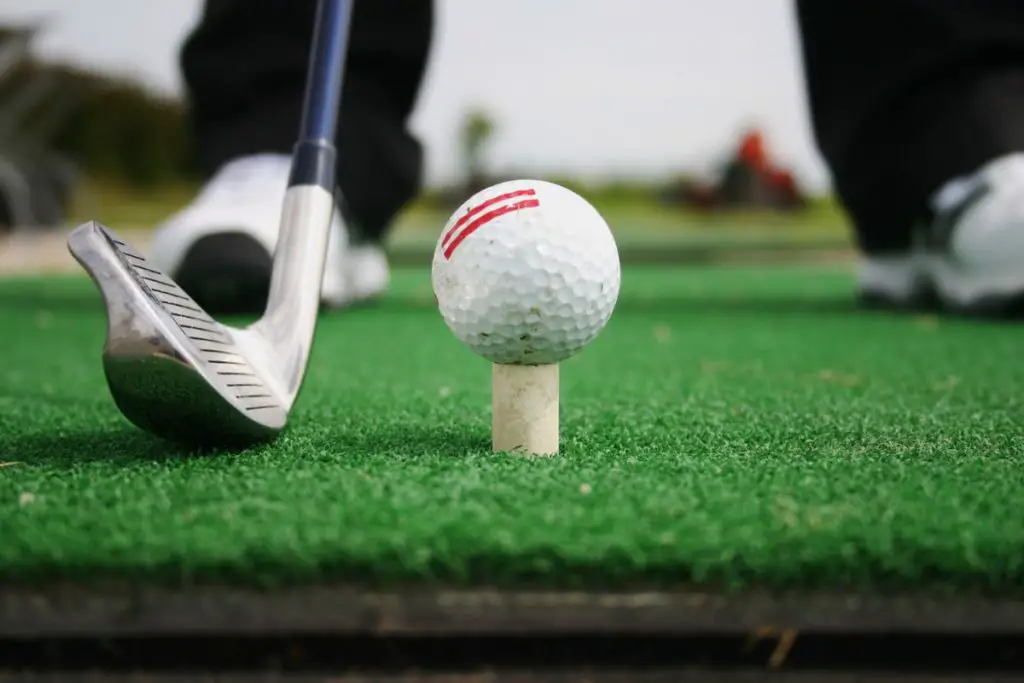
{"x": 684, "y": 123}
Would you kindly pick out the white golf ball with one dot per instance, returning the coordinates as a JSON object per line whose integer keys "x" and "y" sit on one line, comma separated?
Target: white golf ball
{"x": 526, "y": 272}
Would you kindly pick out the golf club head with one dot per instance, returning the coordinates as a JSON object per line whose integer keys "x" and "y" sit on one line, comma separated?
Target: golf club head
{"x": 172, "y": 370}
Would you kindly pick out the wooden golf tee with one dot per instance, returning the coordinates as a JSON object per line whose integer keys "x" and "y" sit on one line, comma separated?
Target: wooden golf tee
{"x": 524, "y": 409}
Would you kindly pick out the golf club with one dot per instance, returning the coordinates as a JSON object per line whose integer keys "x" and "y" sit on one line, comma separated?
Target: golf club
{"x": 173, "y": 370}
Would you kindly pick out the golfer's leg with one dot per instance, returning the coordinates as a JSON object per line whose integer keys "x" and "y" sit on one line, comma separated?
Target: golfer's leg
{"x": 245, "y": 70}
{"x": 245, "y": 65}
{"x": 907, "y": 94}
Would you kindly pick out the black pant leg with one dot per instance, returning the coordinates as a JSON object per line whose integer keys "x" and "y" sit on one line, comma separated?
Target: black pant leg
{"x": 907, "y": 94}
{"x": 245, "y": 66}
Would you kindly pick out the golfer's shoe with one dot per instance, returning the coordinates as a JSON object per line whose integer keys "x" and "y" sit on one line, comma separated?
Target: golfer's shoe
{"x": 219, "y": 248}
{"x": 895, "y": 281}
{"x": 970, "y": 258}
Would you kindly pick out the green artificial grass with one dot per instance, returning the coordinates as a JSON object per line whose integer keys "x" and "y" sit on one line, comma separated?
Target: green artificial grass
{"x": 731, "y": 427}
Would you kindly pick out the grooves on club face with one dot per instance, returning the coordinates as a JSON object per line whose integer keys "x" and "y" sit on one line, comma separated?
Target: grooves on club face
{"x": 172, "y": 370}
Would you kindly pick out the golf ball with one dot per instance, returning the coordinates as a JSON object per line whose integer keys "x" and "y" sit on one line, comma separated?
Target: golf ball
{"x": 526, "y": 272}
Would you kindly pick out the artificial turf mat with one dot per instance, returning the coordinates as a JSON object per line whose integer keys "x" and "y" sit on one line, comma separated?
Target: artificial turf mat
{"x": 731, "y": 427}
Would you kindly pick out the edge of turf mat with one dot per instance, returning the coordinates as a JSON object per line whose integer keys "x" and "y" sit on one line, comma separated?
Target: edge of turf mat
{"x": 582, "y": 675}
{"x": 689, "y": 253}
{"x": 120, "y": 609}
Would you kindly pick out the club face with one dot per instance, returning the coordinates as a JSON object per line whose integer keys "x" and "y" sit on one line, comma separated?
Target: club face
{"x": 171, "y": 369}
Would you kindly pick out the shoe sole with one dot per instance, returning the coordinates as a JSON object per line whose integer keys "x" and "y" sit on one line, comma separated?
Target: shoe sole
{"x": 924, "y": 301}
{"x": 994, "y": 296}
{"x": 992, "y": 308}
{"x": 227, "y": 273}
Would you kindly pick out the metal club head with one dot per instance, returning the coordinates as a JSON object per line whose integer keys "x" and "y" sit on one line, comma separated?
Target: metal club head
{"x": 179, "y": 374}
{"x": 173, "y": 370}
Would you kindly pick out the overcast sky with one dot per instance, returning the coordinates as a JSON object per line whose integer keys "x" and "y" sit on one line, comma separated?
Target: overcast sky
{"x": 601, "y": 87}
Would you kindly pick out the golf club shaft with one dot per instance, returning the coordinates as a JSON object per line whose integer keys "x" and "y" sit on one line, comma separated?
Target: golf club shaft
{"x": 326, "y": 71}
{"x": 314, "y": 157}
{"x": 293, "y": 303}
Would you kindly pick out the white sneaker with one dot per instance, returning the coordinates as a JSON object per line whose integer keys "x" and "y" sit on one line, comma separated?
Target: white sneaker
{"x": 219, "y": 248}
{"x": 894, "y": 281}
{"x": 971, "y": 257}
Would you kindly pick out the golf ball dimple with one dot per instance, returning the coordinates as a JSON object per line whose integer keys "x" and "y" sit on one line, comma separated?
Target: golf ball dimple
{"x": 526, "y": 272}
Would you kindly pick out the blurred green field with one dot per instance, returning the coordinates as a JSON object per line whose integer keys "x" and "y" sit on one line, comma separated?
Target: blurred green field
{"x": 639, "y": 223}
